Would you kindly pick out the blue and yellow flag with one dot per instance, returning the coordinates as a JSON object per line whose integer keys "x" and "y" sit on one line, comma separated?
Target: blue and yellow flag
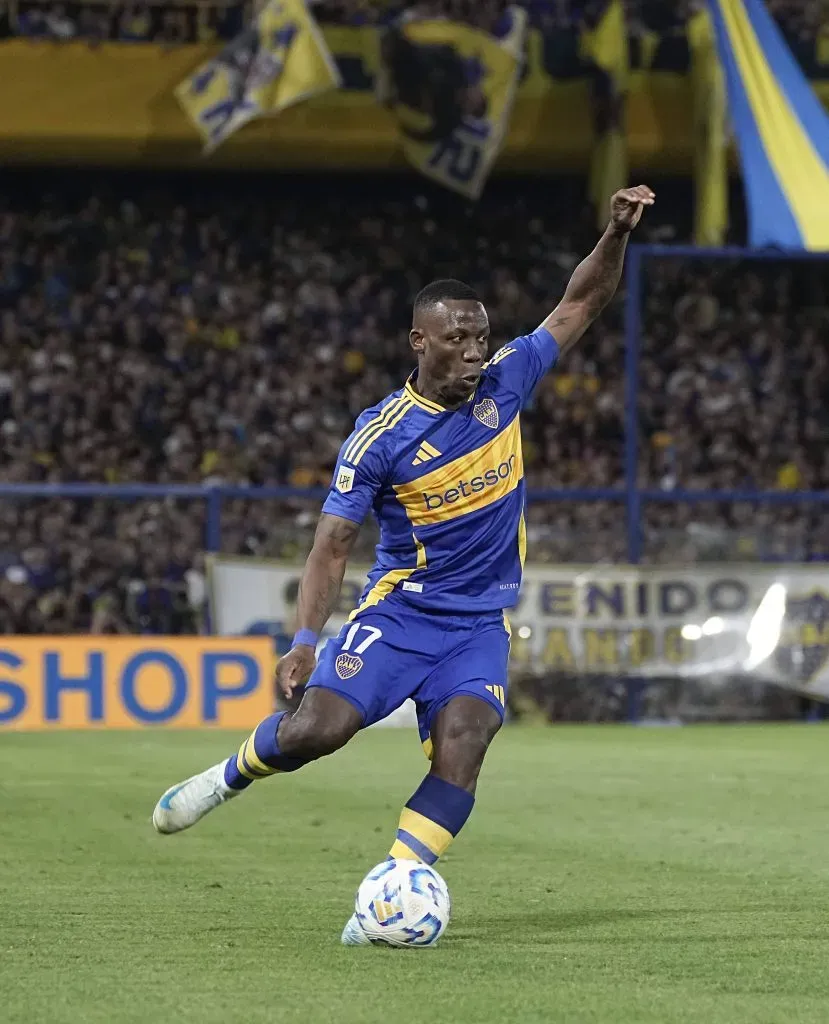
{"x": 279, "y": 60}
{"x": 781, "y": 128}
{"x": 605, "y": 49}
{"x": 451, "y": 88}
{"x": 710, "y": 134}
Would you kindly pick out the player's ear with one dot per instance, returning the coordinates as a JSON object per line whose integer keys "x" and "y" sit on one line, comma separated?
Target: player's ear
{"x": 416, "y": 339}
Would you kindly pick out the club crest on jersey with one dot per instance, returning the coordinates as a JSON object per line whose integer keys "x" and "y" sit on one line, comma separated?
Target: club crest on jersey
{"x": 348, "y": 665}
{"x": 487, "y": 412}
{"x": 345, "y": 479}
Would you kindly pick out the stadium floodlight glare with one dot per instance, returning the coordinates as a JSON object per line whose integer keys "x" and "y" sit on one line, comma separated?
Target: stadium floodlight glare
{"x": 764, "y": 631}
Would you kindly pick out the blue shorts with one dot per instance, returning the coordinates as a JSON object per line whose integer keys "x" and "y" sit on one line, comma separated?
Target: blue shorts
{"x": 391, "y": 652}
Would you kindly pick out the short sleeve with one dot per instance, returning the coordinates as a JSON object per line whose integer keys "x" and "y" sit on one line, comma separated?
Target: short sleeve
{"x": 522, "y": 363}
{"x": 357, "y": 480}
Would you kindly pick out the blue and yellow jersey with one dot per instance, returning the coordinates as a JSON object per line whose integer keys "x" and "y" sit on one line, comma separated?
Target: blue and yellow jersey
{"x": 447, "y": 487}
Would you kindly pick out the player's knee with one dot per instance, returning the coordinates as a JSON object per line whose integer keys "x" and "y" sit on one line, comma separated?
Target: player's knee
{"x": 462, "y": 737}
{"x": 468, "y": 742}
{"x": 319, "y": 727}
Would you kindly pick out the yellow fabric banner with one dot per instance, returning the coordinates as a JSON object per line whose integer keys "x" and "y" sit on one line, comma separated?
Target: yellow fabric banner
{"x": 279, "y": 60}
{"x": 711, "y": 144}
{"x": 606, "y": 50}
{"x": 115, "y": 104}
{"x": 451, "y": 89}
{"x": 781, "y": 129}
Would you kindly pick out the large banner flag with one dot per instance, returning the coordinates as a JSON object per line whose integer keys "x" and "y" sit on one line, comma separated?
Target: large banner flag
{"x": 605, "y": 47}
{"x": 279, "y": 60}
{"x": 710, "y": 134}
{"x": 781, "y": 128}
{"x": 763, "y": 622}
{"x": 451, "y": 88}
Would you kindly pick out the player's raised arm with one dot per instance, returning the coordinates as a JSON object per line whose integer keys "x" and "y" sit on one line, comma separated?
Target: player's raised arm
{"x": 319, "y": 589}
{"x": 596, "y": 278}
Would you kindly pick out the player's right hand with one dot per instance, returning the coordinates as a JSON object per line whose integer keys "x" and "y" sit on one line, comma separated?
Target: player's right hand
{"x": 295, "y": 668}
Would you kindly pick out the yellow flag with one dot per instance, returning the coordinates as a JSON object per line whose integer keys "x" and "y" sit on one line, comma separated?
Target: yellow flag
{"x": 606, "y": 48}
{"x": 451, "y": 88}
{"x": 277, "y": 61}
{"x": 781, "y": 128}
{"x": 710, "y": 137}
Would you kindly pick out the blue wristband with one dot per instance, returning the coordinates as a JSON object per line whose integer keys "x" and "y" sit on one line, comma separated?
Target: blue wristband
{"x": 305, "y": 636}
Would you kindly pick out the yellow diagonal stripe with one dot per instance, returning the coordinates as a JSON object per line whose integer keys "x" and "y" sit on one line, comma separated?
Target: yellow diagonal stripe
{"x": 386, "y": 584}
{"x": 800, "y": 172}
{"x": 470, "y": 470}
{"x": 372, "y": 426}
{"x": 392, "y": 422}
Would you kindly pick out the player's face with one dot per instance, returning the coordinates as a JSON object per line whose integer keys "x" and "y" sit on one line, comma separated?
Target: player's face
{"x": 452, "y": 340}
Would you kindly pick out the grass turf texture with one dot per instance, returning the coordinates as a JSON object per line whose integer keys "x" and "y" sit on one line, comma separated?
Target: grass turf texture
{"x": 607, "y": 875}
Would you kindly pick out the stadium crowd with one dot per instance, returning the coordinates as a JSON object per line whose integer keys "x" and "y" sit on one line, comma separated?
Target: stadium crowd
{"x": 805, "y": 23}
{"x": 218, "y": 331}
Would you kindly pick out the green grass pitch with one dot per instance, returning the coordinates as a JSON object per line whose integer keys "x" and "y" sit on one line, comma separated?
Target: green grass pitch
{"x": 608, "y": 875}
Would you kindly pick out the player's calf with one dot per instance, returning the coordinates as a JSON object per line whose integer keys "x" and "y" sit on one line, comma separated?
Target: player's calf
{"x": 461, "y": 736}
{"x": 322, "y": 724}
{"x": 286, "y": 741}
{"x": 283, "y": 742}
{"x": 441, "y": 805}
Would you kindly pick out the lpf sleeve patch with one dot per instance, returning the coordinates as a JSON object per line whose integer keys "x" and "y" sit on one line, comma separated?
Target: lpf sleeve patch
{"x": 345, "y": 479}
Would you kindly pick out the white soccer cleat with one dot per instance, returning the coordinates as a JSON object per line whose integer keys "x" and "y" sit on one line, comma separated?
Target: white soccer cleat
{"x": 188, "y": 802}
{"x": 353, "y": 934}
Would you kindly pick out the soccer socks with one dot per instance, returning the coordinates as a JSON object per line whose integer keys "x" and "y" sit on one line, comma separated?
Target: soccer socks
{"x": 259, "y": 756}
{"x": 431, "y": 820}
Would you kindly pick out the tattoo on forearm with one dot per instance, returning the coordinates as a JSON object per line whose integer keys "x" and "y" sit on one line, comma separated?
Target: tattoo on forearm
{"x": 317, "y": 603}
{"x": 334, "y": 584}
{"x": 597, "y": 277}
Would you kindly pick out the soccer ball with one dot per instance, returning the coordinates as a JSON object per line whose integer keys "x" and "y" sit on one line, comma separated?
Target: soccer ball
{"x": 403, "y": 903}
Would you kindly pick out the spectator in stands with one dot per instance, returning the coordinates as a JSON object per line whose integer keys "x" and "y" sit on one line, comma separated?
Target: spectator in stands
{"x": 656, "y": 27}
{"x": 95, "y": 23}
{"x": 134, "y": 24}
{"x": 58, "y": 24}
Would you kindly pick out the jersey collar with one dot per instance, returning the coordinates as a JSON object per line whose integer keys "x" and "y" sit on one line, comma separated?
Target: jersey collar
{"x": 419, "y": 400}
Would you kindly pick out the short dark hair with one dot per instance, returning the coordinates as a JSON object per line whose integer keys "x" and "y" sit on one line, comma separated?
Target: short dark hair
{"x": 443, "y": 290}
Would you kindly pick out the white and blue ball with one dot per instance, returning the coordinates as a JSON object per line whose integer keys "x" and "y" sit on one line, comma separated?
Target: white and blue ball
{"x": 403, "y": 903}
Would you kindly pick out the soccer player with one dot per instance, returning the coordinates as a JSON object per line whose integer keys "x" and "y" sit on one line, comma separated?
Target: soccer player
{"x": 439, "y": 462}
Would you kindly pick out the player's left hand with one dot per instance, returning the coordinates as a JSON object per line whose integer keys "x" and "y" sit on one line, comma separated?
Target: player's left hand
{"x": 294, "y": 670}
{"x": 628, "y": 205}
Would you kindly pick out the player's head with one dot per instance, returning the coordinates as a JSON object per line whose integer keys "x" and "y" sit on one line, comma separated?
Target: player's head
{"x": 450, "y": 333}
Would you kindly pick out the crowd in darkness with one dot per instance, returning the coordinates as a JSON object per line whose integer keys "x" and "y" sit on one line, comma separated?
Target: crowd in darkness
{"x": 227, "y": 331}
{"x": 804, "y": 22}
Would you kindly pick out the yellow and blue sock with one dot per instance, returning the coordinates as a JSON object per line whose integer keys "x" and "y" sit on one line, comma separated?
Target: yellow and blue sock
{"x": 430, "y": 820}
{"x": 259, "y": 756}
